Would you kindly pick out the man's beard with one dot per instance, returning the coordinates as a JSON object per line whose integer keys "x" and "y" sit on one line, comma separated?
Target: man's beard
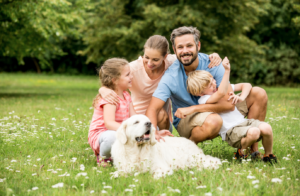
{"x": 194, "y": 57}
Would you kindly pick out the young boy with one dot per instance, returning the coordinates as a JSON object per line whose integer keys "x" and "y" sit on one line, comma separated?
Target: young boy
{"x": 237, "y": 131}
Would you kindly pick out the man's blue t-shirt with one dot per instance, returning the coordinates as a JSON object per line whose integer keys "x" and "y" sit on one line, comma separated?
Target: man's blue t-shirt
{"x": 173, "y": 84}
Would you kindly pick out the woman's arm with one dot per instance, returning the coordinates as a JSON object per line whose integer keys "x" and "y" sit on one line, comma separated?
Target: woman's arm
{"x": 131, "y": 110}
{"x": 215, "y": 60}
{"x": 109, "y": 95}
{"x": 109, "y": 113}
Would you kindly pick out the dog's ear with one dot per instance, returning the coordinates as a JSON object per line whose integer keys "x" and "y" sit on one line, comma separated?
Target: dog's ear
{"x": 152, "y": 136}
{"x": 121, "y": 133}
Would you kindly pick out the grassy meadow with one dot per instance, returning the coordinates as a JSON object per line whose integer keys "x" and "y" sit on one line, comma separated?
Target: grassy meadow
{"x": 44, "y": 122}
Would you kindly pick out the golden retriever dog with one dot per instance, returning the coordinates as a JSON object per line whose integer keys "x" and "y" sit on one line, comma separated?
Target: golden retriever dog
{"x": 136, "y": 150}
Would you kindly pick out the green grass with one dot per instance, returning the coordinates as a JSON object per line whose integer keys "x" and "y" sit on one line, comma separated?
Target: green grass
{"x": 44, "y": 123}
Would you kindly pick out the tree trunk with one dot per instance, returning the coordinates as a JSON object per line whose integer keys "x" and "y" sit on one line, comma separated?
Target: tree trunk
{"x": 38, "y": 70}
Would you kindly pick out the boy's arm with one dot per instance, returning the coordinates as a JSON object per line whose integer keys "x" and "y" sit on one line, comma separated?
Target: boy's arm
{"x": 109, "y": 113}
{"x": 245, "y": 88}
{"x": 223, "y": 88}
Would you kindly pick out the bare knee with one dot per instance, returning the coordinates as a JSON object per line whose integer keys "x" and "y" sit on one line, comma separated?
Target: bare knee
{"x": 212, "y": 125}
{"x": 253, "y": 133}
{"x": 163, "y": 121}
{"x": 260, "y": 94}
{"x": 162, "y": 116}
{"x": 266, "y": 129}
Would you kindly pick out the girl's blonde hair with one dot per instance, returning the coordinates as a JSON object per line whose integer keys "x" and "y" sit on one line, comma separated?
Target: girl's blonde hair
{"x": 109, "y": 71}
{"x": 197, "y": 81}
{"x": 159, "y": 43}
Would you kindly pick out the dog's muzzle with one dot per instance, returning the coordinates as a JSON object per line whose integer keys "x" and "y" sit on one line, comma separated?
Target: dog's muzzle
{"x": 146, "y": 136}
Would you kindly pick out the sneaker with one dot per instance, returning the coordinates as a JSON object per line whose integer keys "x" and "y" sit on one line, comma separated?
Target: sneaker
{"x": 270, "y": 159}
{"x": 239, "y": 155}
{"x": 256, "y": 156}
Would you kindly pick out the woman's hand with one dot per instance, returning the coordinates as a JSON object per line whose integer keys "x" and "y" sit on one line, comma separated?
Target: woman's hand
{"x": 109, "y": 95}
{"x": 235, "y": 99}
{"x": 215, "y": 60}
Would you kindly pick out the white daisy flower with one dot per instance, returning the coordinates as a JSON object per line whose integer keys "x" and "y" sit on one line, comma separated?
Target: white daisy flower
{"x": 58, "y": 185}
{"x": 276, "y": 180}
{"x": 255, "y": 181}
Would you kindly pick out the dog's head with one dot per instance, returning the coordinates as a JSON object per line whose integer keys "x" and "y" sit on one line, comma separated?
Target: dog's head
{"x": 137, "y": 129}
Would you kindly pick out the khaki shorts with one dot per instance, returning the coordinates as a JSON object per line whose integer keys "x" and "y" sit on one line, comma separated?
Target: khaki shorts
{"x": 187, "y": 124}
{"x": 242, "y": 107}
{"x": 237, "y": 133}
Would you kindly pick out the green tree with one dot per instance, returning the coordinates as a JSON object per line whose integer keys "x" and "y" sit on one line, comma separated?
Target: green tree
{"x": 296, "y": 6}
{"x": 31, "y": 28}
{"x": 120, "y": 28}
{"x": 280, "y": 36}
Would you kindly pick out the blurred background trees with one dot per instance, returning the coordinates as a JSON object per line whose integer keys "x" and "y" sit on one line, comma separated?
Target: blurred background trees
{"x": 260, "y": 37}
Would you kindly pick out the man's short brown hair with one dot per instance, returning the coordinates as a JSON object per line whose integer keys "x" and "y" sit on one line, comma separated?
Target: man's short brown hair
{"x": 185, "y": 31}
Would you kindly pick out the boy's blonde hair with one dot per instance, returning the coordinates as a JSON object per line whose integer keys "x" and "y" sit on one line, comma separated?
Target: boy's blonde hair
{"x": 197, "y": 81}
{"x": 111, "y": 69}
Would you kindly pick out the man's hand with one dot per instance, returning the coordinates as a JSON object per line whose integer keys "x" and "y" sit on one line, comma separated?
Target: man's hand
{"x": 215, "y": 60}
{"x": 183, "y": 112}
{"x": 235, "y": 99}
{"x": 162, "y": 133}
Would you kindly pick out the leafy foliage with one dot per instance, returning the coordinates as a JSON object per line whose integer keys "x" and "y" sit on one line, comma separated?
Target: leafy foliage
{"x": 280, "y": 36}
{"x": 121, "y": 28}
{"x": 296, "y": 6}
{"x": 260, "y": 37}
{"x": 35, "y": 29}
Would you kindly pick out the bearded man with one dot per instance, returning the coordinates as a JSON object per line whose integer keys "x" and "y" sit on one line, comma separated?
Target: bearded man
{"x": 193, "y": 121}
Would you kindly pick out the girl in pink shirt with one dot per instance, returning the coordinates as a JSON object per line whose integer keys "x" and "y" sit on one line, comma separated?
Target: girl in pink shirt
{"x": 114, "y": 74}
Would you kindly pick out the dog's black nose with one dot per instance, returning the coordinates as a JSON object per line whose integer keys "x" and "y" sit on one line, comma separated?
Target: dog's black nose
{"x": 148, "y": 124}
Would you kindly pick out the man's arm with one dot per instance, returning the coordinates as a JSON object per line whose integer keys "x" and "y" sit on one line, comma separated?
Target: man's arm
{"x": 223, "y": 105}
{"x": 154, "y": 107}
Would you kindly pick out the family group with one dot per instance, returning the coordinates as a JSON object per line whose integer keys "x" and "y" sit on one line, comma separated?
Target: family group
{"x": 188, "y": 90}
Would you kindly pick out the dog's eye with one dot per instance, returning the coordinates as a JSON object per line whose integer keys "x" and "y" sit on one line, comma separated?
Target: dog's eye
{"x": 136, "y": 122}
